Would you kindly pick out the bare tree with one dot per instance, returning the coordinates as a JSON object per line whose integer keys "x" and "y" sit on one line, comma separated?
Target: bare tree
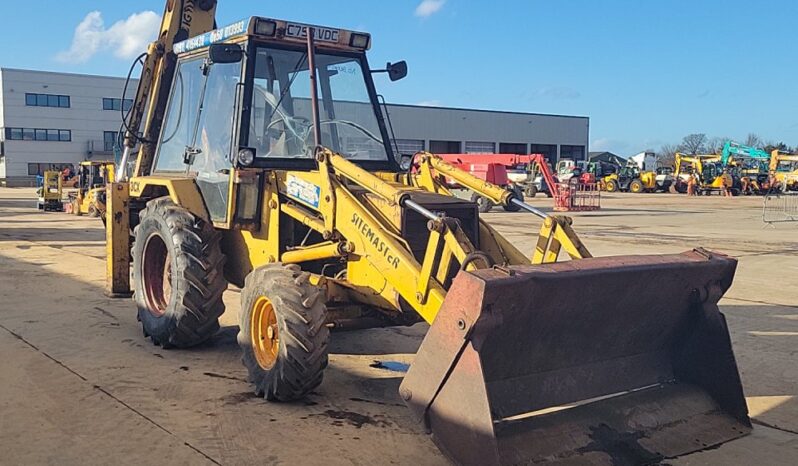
{"x": 666, "y": 156}
{"x": 694, "y": 143}
{"x": 753, "y": 140}
{"x": 715, "y": 145}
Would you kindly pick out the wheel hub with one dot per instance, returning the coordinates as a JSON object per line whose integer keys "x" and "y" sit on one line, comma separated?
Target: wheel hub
{"x": 157, "y": 274}
{"x": 265, "y": 337}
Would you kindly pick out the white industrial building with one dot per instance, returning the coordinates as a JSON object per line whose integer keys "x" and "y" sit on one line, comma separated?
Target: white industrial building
{"x": 458, "y": 130}
{"x": 51, "y": 120}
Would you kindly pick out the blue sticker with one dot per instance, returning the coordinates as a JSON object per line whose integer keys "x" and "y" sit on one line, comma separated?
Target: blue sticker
{"x": 217, "y": 35}
{"x": 303, "y": 191}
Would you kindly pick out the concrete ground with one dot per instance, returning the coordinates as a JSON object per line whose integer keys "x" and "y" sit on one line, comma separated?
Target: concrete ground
{"x": 80, "y": 385}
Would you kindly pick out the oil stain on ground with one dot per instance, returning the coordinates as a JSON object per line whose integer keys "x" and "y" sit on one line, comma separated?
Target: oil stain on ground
{"x": 354, "y": 419}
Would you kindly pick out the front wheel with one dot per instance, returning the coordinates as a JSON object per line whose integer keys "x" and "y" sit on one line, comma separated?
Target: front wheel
{"x": 177, "y": 275}
{"x": 531, "y": 190}
{"x": 636, "y": 186}
{"x": 612, "y": 186}
{"x": 282, "y": 334}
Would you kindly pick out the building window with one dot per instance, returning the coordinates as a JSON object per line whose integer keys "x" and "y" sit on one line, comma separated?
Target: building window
{"x": 444, "y": 147}
{"x": 572, "y": 152}
{"x": 28, "y": 134}
{"x": 474, "y": 147}
{"x": 41, "y": 167}
{"x": 546, "y": 150}
{"x": 47, "y": 100}
{"x": 512, "y": 148}
{"x": 116, "y": 104}
{"x": 408, "y": 146}
{"x": 109, "y": 140}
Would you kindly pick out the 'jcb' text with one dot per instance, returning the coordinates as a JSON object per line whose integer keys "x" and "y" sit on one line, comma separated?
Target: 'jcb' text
{"x": 372, "y": 237}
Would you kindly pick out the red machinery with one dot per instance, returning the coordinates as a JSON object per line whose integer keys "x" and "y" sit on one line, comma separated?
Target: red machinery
{"x": 576, "y": 194}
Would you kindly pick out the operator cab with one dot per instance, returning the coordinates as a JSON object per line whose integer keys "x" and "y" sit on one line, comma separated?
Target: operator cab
{"x": 241, "y": 99}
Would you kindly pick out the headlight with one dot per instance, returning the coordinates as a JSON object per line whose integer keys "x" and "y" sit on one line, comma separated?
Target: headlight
{"x": 360, "y": 41}
{"x": 404, "y": 162}
{"x": 246, "y": 156}
{"x": 265, "y": 28}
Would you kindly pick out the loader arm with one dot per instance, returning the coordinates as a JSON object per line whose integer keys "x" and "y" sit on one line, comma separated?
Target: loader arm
{"x": 555, "y": 232}
{"x": 419, "y": 283}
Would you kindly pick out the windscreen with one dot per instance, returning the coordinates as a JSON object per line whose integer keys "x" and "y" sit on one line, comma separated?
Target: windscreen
{"x": 281, "y": 120}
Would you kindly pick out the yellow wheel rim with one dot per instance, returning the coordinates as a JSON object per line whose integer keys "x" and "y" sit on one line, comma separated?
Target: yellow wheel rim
{"x": 264, "y": 333}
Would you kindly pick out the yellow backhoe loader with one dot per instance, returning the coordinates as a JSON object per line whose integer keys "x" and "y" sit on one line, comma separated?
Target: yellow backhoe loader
{"x": 264, "y": 161}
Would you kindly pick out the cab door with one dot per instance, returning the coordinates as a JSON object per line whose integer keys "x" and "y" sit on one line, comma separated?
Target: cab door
{"x": 199, "y": 131}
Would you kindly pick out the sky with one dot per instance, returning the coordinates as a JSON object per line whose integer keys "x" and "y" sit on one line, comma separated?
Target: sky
{"x": 645, "y": 72}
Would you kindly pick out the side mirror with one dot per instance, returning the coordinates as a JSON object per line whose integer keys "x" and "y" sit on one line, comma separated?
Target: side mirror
{"x": 397, "y": 71}
{"x": 225, "y": 53}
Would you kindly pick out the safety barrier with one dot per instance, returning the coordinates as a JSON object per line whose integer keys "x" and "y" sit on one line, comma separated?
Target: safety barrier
{"x": 780, "y": 207}
{"x": 573, "y": 195}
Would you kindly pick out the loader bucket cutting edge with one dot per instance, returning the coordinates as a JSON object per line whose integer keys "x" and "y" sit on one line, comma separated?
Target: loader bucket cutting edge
{"x": 616, "y": 360}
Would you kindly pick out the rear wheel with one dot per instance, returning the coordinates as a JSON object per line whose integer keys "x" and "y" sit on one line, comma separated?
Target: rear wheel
{"x": 612, "y": 186}
{"x": 177, "y": 275}
{"x": 283, "y": 335}
{"x": 93, "y": 210}
{"x": 483, "y": 203}
{"x": 636, "y": 186}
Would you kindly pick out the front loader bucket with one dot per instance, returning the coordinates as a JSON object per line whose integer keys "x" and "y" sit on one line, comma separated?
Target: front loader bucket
{"x": 616, "y": 360}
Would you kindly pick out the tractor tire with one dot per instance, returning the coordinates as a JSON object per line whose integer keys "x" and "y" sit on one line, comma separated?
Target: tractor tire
{"x": 519, "y": 194}
{"x": 612, "y": 186}
{"x": 282, "y": 334}
{"x": 177, "y": 275}
{"x": 76, "y": 208}
{"x": 93, "y": 211}
{"x": 531, "y": 190}
{"x": 483, "y": 203}
{"x": 636, "y": 186}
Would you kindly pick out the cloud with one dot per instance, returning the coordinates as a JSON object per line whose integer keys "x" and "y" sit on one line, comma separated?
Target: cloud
{"x": 559, "y": 92}
{"x": 427, "y": 8}
{"x": 125, "y": 38}
{"x": 429, "y": 103}
{"x": 609, "y": 145}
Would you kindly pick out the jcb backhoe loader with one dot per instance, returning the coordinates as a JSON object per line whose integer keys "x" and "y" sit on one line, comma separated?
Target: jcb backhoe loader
{"x": 264, "y": 162}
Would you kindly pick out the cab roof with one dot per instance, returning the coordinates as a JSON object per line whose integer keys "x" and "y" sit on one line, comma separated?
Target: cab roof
{"x": 276, "y": 30}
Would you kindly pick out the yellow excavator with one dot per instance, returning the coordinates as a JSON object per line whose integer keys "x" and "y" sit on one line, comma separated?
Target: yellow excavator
{"x": 263, "y": 159}
{"x": 711, "y": 174}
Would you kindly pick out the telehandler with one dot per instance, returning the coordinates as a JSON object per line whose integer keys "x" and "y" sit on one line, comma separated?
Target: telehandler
{"x": 264, "y": 161}
{"x": 630, "y": 179}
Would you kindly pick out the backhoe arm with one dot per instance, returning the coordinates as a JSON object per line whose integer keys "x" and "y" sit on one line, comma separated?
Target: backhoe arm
{"x": 181, "y": 20}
